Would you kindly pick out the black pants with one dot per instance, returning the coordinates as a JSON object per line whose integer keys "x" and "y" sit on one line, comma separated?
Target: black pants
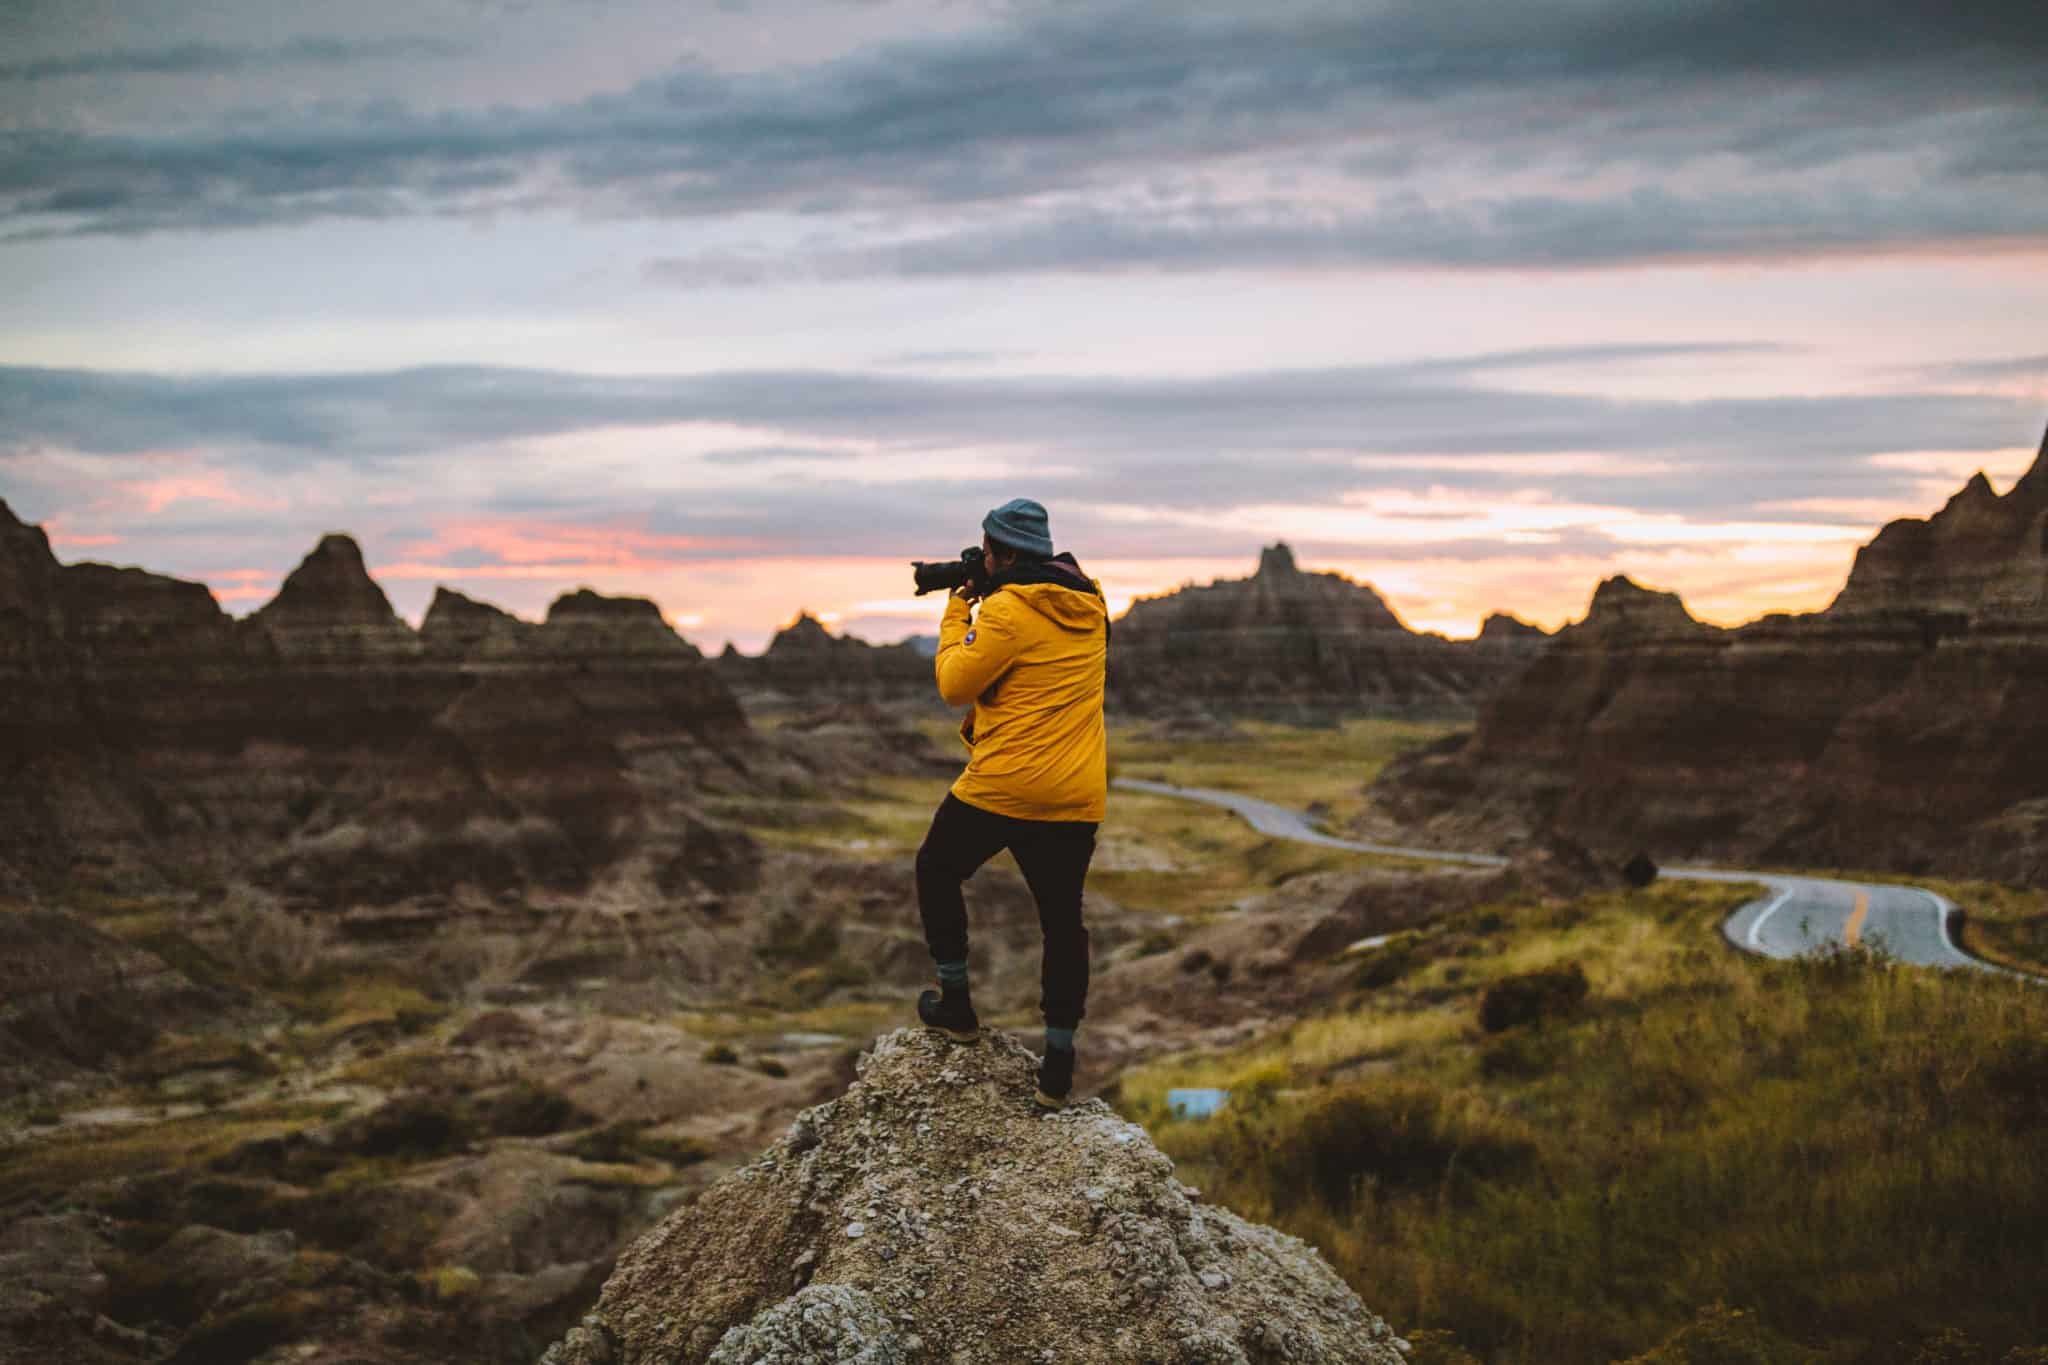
{"x": 1053, "y": 856}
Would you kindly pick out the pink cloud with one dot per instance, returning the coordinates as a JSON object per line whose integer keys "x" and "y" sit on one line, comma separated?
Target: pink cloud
{"x": 76, "y": 540}
{"x": 520, "y": 547}
{"x": 205, "y": 485}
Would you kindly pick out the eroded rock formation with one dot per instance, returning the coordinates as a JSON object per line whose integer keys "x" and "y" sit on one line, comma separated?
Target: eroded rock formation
{"x": 806, "y": 664}
{"x": 930, "y": 1213}
{"x": 1903, "y": 728}
{"x": 1289, "y": 642}
{"x": 323, "y": 747}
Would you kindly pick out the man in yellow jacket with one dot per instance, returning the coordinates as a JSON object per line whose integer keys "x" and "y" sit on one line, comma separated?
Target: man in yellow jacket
{"x": 1032, "y": 661}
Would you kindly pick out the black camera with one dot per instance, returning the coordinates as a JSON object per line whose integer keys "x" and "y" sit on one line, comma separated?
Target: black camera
{"x": 948, "y": 574}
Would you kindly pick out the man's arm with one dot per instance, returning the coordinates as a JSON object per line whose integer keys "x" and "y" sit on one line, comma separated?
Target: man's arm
{"x": 972, "y": 653}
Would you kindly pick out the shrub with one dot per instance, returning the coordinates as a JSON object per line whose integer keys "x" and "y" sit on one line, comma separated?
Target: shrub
{"x": 1394, "y": 1135}
{"x": 1639, "y": 871}
{"x": 1154, "y": 943}
{"x": 719, "y": 1054}
{"x": 2016, "y": 1078}
{"x": 1721, "y": 1335}
{"x": 1838, "y": 964}
{"x": 629, "y": 1142}
{"x": 529, "y": 1110}
{"x": 1532, "y": 997}
{"x": 413, "y": 1126}
{"x": 769, "y": 1066}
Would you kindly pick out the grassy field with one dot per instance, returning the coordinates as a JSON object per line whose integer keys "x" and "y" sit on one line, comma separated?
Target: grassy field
{"x": 1325, "y": 768}
{"x": 1710, "y": 1157}
{"x": 1845, "y": 1149}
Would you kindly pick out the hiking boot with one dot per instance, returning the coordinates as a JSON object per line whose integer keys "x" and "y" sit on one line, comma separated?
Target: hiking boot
{"x": 951, "y": 1014}
{"x": 1055, "y": 1078}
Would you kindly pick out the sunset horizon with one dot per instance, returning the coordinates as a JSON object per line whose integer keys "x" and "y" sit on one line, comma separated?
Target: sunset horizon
{"x": 534, "y": 565}
{"x": 744, "y": 309}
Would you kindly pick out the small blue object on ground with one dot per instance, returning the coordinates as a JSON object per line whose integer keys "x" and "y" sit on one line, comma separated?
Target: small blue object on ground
{"x": 1195, "y": 1104}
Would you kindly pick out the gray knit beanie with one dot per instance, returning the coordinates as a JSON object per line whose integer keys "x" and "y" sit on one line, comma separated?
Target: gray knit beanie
{"x": 1020, "y": 524}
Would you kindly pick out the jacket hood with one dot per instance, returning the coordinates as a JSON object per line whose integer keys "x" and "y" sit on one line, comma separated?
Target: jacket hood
{"x": 1058, "y": 590}
{"x": 1073, "y": 608}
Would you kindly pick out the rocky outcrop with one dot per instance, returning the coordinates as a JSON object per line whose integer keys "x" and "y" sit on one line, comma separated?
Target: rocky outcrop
{"x": 930, "y": 1213}
{"x": 1981, "y": 558}
{"x": 806, "y": 664}
{"x": 329, "y": 607}
{"x": 324, "y": 748}
{"x": 464, "y": 627}
{"x": 1903, "y": 728}
{"x": 1289, "y": 642}
{"x": 1506, "y": 632}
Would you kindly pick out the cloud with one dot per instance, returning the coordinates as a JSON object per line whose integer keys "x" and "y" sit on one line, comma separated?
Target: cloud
{"x": 1434, "y": 477}
{"x": 215, "y": 59}
{"x": 2003, "y": 367}
{"x": 1194, "y": 136}
{"x": 759, "y": 455}
{"x": 1441, "y": 406}
{"x": 1643, "y": 226}
{"x": 889, "y": 464}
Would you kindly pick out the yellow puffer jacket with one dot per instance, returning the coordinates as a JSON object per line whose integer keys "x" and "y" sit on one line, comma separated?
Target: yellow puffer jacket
{"x": 1032, "y": 663}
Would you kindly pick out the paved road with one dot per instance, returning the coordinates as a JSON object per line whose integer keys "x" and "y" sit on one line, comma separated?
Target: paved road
{"x": 1794, "y": 917}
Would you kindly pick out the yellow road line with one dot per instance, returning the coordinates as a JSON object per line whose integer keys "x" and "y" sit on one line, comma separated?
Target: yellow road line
{"x": 1854, "y": 933}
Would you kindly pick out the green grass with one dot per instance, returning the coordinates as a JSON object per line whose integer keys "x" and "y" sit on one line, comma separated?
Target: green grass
{"x": 1840, "y": 1154}
{"x": 336, "y": 1000}
{"x": 54, "y": 1168}
{"x": 885, "y": 818}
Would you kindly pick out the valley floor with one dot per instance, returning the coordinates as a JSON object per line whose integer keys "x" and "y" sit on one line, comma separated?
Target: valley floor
{"x": 1530, "y": 1116}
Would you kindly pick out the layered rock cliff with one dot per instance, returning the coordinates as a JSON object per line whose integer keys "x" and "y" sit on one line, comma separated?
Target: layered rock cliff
{"x": 323, "y": 747}
{"x": 1903, "y": 728}
{"x": 1286, "y": 641}
{"x": 930, "y": 1213}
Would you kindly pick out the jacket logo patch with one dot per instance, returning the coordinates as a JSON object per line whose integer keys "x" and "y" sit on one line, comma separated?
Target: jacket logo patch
{"x": 970, "y": 637}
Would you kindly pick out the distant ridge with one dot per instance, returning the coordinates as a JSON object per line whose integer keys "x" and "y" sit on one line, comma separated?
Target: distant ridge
{"x": 806, "y": 663}
{"x": 1287, "y": 640}
{"x": 1905, "y": 727}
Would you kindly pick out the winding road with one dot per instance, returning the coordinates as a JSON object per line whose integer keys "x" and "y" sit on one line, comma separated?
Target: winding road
{"x": 1795, "y": 916}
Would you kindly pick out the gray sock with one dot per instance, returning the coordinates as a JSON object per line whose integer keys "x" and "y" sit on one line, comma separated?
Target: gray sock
{"x": 1061, "y": 1038}
{"x": 953, "y": 975}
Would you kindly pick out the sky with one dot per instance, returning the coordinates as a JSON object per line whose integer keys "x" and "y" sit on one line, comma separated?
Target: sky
{"x": 741, "y": 306}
